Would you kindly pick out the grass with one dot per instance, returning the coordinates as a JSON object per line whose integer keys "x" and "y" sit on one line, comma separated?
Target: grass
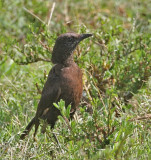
{"x": 113, "y": 119}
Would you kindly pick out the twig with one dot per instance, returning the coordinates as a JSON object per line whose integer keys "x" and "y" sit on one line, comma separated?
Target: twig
{"x": 87, "y": 90}
{"x": 148, "y": 116}
{"x": 38, "y": 89}
{"x": 36, "y": 60}
{"x": 9, "y": 81}
{"x": 52, "y": 9}
{"x": 33, "y": 15}
{"x": 67, "y": 122}
{"x": 95, "y": 86}
{"x": 45, "y": 46}
{"x": 87, "y": 50}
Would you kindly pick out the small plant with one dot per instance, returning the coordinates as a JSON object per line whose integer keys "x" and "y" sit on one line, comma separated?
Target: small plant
{"x": 113, "y": 119}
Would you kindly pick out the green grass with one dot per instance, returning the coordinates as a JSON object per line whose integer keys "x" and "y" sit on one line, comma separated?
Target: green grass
{"x": 113, "y": 119}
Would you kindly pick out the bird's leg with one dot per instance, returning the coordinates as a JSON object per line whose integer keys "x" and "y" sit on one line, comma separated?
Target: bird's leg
{"x": 44, "y": 126}
{"x": 36, "y": 128}
{"x": 56, "y": 139}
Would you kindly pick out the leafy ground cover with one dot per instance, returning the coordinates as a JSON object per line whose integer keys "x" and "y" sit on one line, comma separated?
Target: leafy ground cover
{"x": 113, "y": 119}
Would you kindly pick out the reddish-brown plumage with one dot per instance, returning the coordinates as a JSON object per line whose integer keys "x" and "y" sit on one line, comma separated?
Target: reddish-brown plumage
{"x": 64, "y": 82}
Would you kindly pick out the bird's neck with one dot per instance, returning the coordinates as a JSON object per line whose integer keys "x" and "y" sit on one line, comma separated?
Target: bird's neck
{"x": 65, "y": 62}
{"x": 69, "y": 61}
{"x": 59, "y": 57}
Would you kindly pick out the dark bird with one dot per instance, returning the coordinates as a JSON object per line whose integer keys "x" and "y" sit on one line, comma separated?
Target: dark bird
{"x": 64, "y": 82}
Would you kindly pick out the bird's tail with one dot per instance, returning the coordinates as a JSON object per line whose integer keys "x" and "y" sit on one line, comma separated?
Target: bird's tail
{"x": 28, "y": 128}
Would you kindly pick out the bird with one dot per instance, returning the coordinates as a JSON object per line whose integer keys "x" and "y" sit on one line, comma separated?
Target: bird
{"x": 64, "y": 82}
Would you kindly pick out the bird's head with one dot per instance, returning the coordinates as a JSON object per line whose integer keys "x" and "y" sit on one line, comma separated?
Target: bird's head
{"x": 65, "y": 45}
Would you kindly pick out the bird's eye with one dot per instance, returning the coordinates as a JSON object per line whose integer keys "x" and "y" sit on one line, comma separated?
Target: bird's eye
{"x": 71, "y": 39}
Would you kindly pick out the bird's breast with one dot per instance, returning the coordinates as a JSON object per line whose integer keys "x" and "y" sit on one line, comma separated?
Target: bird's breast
{"x": 71, "y": 85}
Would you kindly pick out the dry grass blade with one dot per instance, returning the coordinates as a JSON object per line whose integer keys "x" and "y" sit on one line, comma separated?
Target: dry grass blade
{"x": 52, "y": 9}
{"x": 148, "y": 116}
{"x": 33, "y": 15}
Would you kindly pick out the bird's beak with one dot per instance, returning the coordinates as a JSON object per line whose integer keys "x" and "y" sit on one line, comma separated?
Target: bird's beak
{"x": 83, "y": 36}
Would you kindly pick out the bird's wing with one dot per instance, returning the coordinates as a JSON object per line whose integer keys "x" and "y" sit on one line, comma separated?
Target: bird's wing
{"x": 50, "y": 94}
